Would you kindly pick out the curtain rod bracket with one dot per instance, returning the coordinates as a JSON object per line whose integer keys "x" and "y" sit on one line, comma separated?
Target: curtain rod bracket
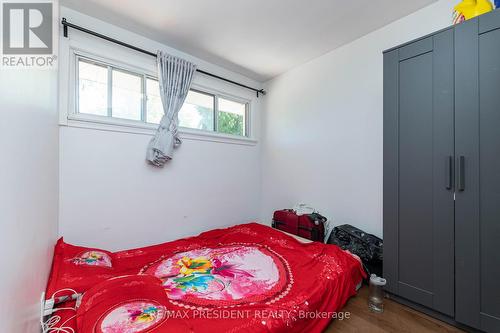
{"x": 65, "y": 27}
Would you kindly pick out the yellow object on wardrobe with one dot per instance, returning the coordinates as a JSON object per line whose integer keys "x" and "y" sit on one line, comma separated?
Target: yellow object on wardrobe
{"x": 482, "y": 7}
{"x": 468, "y": 9}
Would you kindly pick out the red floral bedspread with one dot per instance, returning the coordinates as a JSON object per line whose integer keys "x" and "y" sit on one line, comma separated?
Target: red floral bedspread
{"x": 247, "y": 278}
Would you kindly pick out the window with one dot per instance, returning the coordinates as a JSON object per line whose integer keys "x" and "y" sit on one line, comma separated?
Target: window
{"x": 231, "y": 116}
{"x": 116, "y": 93}
{"x": 154, "y": 106}
{"x": 126, "y": 95}
{"x": 92, "y": 89}
{"x": 198, "y": 111}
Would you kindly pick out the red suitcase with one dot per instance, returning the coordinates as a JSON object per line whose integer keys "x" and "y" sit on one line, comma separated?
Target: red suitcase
{"x": 309, "y": 226}
{"x": 286, "y": 220}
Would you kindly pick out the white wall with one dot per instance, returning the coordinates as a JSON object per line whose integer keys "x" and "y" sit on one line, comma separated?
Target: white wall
{"x": 28, "y": 193}
{"x": 322, "y": 126}
{"x": 110, "y": 197}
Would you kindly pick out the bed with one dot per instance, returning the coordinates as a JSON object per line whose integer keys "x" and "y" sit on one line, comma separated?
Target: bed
{"x": 246, "y": 278}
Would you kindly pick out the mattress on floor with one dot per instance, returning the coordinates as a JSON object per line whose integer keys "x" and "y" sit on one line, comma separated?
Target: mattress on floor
{"x": 246, "y": 278}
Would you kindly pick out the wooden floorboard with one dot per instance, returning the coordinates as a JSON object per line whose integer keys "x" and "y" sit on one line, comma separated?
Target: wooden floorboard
{"x": 395, "y": 318}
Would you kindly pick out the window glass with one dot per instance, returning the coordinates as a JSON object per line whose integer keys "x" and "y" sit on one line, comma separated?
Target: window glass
{"x": 135, "y": 96}
{"x": 92, "y": 88}
{"x": 231, "y": 117}
{"x": 154, "y": 107}
{"x": 126, "y": 95}
{"x": 198, "y": 111}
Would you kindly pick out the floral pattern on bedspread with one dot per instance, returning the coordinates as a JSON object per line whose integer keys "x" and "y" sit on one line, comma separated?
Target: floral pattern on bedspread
{"x": 93, "y": 258}
{"x": 133, "y": 317}
{"x": 224, "y": 276}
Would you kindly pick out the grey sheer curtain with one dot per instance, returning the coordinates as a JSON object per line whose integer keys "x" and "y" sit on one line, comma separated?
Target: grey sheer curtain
{"x": 175, "y": 76}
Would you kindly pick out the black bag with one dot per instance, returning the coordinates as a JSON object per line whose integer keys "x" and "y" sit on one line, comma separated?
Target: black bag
{"x": 366, "y": 246}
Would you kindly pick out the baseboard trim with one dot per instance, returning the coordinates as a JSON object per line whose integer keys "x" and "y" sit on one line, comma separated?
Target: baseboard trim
{"x": 431, "y": 313}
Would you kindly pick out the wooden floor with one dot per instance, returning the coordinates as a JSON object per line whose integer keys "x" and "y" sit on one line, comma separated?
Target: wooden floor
{"x": 395, "y": 318}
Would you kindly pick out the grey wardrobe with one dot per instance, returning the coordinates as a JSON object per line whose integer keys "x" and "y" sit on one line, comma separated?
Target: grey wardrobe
{"x": 442, "y": 172}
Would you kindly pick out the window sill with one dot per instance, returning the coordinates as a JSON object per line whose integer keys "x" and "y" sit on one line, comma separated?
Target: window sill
{"x": 132, "y": 127}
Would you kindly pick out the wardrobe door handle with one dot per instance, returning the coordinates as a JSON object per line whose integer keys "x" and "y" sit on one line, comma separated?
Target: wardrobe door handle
{"x": 449, "y": 173}
{"x": 461, "y": 173}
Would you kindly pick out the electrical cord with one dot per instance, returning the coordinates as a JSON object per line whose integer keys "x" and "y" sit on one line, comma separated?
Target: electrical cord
{"x": 48, "y": 326}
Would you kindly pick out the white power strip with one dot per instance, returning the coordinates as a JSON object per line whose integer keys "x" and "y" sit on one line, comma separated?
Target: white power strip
{"x": 42, "y": 307}
{"x": 46, "y": 306}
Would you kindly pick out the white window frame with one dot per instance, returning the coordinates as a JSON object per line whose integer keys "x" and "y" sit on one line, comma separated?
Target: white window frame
{"x": 75, "y": 119}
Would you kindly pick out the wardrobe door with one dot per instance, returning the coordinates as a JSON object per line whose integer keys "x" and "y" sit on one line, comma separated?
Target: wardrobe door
{"x": 478, "y": 172}
{"x": 418, "y": 172}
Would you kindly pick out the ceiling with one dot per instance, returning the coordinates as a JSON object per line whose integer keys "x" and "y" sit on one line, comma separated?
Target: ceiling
{"x": 258, "y": 38}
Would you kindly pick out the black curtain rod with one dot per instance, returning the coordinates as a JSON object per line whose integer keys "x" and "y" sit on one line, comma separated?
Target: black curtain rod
{"x": 67, "y": 25}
